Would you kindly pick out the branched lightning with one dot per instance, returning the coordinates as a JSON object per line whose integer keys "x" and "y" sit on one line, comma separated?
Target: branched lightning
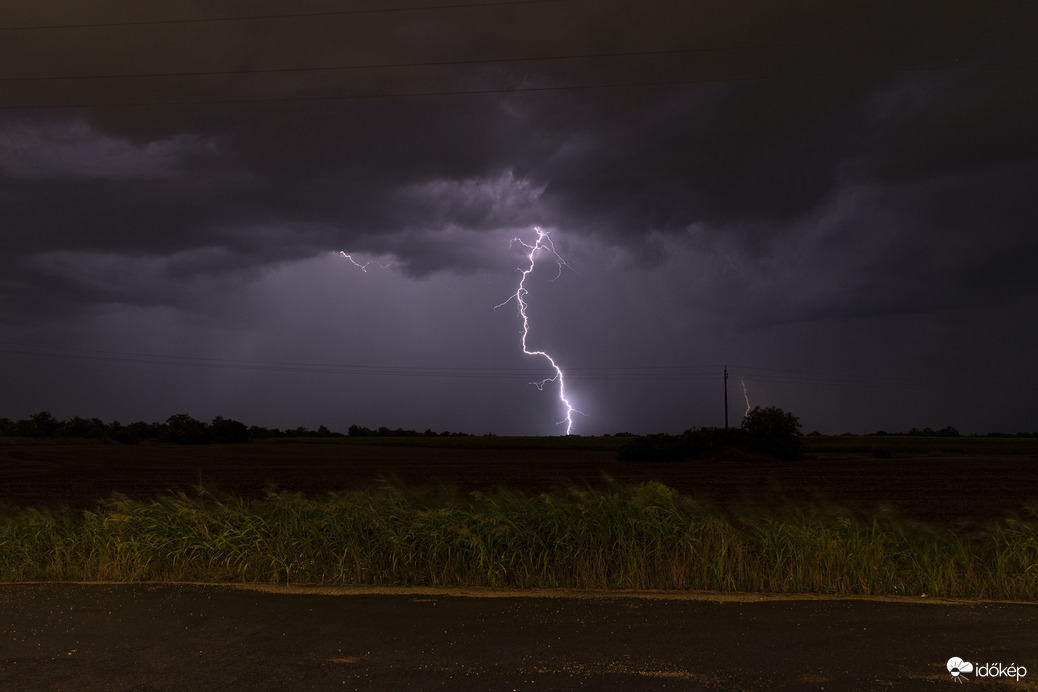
{"x": 363, "y": 267}
{"x": 543, "y": 244}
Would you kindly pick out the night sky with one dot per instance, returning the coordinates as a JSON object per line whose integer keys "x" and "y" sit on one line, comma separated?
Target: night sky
{"x": 834, "y": 200}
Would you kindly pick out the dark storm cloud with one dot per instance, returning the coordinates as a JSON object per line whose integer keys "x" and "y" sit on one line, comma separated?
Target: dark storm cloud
{"x": 774, "y": 163}
{"x": 752, "y": 158}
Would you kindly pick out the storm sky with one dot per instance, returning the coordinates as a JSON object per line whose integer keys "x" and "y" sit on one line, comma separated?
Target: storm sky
{"x": 834, "y": 200}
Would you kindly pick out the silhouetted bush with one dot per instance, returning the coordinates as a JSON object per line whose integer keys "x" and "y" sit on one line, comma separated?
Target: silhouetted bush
{"x": 93, "y": 429}
{"x": 689, "y": 445}
{"x": 774, "y": 432}
{"x": 182, "y": 429}
{"x": 225, "y": 431}
{"x": 770, "y": 431}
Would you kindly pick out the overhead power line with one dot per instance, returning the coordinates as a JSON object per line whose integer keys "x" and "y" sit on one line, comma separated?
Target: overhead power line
{"x": 292, "y": 15}
{"x": 401, "y": 65}
{"x": 755, "y": 375}
{"x": 855, "y": 74}
{"x": 15, "y": 348}
{"x": 671, "y": 373}
{"x": 691, "y": 373}
{"x": 448, "y": 63}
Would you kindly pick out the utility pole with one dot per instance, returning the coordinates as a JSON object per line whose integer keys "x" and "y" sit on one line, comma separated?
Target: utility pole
{"x": 726, "y": 397}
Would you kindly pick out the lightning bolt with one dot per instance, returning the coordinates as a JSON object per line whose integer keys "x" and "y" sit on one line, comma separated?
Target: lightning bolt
{"x": 363, "y": 267}
{"x": 745, "y": 396}
{"x": 542, "y": 244}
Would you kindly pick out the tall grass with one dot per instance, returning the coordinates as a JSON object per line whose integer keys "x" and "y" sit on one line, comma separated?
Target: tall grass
{"x": 625, "y": 537}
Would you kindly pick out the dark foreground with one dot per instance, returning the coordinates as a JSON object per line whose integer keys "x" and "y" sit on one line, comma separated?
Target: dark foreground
{"x": 159, "y": 637}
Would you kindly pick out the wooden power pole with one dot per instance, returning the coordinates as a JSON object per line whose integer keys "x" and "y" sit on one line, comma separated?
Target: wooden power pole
{"x": 726, "y": 397}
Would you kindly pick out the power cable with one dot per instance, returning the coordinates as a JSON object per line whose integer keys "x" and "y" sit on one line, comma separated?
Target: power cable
{"x": 523, "y": 90}
{"x": 408, "y": 65}
{"x": 439, "y": 63}
{"x": 683, "y": 373}
{"x": 293, "y": 15}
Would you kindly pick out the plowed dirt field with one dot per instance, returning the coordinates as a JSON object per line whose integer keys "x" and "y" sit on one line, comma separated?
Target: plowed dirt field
{"x": 938, "y": 489}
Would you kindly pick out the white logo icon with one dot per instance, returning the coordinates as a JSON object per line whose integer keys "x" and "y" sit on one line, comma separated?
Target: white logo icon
{"x": 956, "y": 666}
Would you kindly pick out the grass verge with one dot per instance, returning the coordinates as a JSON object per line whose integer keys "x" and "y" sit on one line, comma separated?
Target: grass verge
{"x": 643, "y": 536}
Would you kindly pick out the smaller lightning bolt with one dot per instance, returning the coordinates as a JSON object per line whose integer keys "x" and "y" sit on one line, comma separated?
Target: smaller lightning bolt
{"x": 745, "y": 396}
{"x": 543, "y": 243}
{"x": 363, "y": 267}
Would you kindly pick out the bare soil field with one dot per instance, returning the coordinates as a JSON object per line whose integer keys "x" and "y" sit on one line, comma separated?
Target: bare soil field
{"x": 940, "y": 489}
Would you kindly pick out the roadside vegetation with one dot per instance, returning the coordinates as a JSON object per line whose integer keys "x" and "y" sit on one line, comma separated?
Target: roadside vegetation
{"x": 644, "y": 536}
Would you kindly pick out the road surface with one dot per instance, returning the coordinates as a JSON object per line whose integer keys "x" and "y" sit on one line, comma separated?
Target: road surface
{"x": 203, "y": 637}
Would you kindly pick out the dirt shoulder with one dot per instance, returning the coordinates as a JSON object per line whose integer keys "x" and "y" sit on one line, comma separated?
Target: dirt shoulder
{"x": 709, "y": 596}
{"x": 589, "y": 594}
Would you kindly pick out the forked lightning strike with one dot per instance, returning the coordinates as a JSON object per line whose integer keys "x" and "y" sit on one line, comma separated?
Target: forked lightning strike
{"x": 745, "y": 396}
{"x": 543, "y": 243}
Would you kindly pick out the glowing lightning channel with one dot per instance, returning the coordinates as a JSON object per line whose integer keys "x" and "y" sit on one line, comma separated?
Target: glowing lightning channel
{"x": 745, "y": 396}
{"x": 543, "y": 244}
{"x": 363, "y": 267}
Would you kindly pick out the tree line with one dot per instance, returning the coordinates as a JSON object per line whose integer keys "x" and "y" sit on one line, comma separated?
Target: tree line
{"x": 768, "y": 431}
{"x": 181, "y": 428}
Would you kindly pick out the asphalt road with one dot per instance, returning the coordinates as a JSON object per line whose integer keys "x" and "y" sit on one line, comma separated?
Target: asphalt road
{"x": 201, "y": 637}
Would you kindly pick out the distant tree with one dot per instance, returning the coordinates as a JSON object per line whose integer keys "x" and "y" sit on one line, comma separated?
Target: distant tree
{"x": 75, "y": 427}
{"x": 93, "y": 429}
{"x": 691, "y": 444}
{"x": 7, "y": 427}
{"x": 99, "y": 429}
{"x": 135, "y": 432}
{"x": 42, "y": 424}
{"x": 359, "y": 431}
{"x": 773, "y": 431}
{"x": 225, "y": 431}
{"x": 182, "y": 429}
